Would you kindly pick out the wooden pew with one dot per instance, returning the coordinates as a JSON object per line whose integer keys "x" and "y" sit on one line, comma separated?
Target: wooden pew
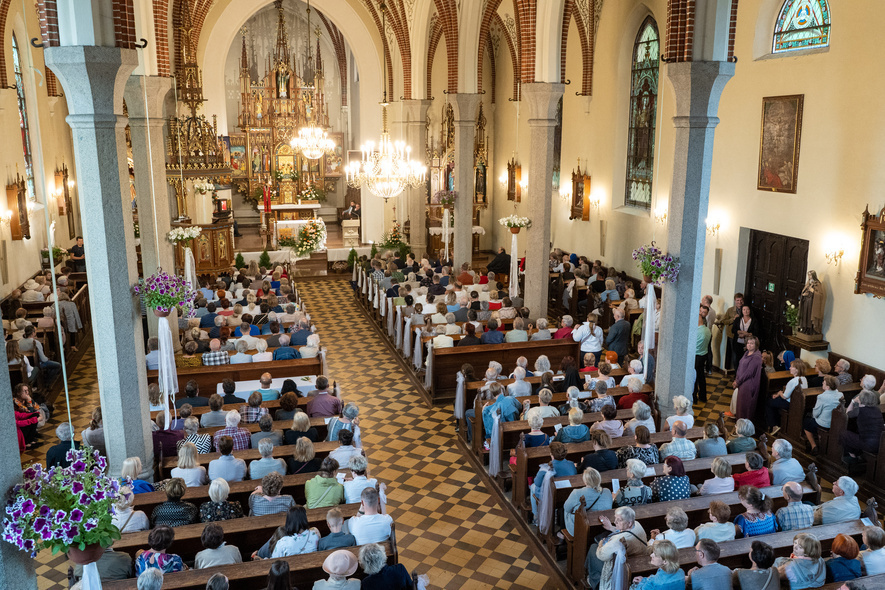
{"x": 529, "y": 460}
{"x": 801, "y": 403}
{"x": 866, "y": 581}
{"x": 448, "y": 361}
{"x": 653, "y": 515}
{"x": 304, "y": 570}
{"x": 536, "y": 379}
{"x": 208, "y": 378}
{"x": 278, "y": 425}
{"x": 280, "y": 452}
{"x": 734, "y": 553}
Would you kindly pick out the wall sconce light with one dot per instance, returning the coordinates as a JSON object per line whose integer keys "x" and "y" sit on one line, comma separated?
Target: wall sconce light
{"x": 834, "y": 256}
{"x": 6, "y": 218}
{"x": 595, "y": 201}
{"x": 713, "y": 227}
{"x": 503, "y": 180}
{"x": 524, "y": 183}
{"x": 71, "y": 184}
{"x": 661, "y": 214}
{"x": 565, "y": 192}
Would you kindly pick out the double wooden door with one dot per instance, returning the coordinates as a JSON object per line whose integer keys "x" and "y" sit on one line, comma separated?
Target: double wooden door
{"x": 775, "y": 274}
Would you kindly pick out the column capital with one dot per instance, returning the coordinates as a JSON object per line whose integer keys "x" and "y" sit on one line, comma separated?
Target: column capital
{"x": 415, "y": 110}
{"x": 93, "y": 77}
{"x": 698, "y": 86}
{"x": 146, "y": 95}
{"x": 465, "y": 106}
{"x": 542, "y": 99}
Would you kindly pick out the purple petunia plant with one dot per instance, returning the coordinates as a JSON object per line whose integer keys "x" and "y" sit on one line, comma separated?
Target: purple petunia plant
{"x": 165, "y": 292}
{"x": 662, "y": 268}
{"x": 63, "y": 507}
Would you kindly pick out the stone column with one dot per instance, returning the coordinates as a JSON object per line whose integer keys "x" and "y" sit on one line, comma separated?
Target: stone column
{"x": 94, "y": 79}
{"x": 16, "y": 567}
{"x": 465, "y": 107}
{"x": 145, "y": 96}
{"x": 542, "y": 99}
{"x": 414, "y": 120}
{"x": 698, "y": 86}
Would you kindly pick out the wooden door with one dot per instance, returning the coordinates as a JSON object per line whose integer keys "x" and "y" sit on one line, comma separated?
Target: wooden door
{"x": 775, "y": 274}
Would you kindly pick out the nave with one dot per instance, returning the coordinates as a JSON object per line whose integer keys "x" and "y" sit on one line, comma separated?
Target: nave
{"x": 448, "y": 525}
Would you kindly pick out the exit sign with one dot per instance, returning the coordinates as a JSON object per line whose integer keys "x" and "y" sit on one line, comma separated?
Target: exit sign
{"x": 770, "y": 288}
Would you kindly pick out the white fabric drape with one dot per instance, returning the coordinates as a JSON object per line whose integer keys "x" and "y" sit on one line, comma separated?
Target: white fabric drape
{"x": 190, "y": 268}
{"x": 620, "y": 572}
{"x": 460, "y": 391}
{"x": 353, "y": 275}
{"x": 428, "y": 376}
{"x": 545, "y": 504}
{"x": 398, "y": 329}
{"x": 168, "y": 376}
{"x": 364, "y": 283}
{"x": 322, "y": 355}
{"x": 495, "y": 444}
{"x": 648, "y": 328}
{"x": 514, "y": 268}
{"x": 91, "y": 579}
{"x": 384, "y": 304}
{"x": 446, "y": 232}
{"x": 419, "y": 352}
{"x": 406, "y": 344}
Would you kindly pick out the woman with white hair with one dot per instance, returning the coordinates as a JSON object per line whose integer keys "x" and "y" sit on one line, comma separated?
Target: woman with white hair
{"x": 373, "y": 560}
{"x": 543, "y": 332}
{"x": 519, "y": 387}
{"x": 451, "y": 326}
{"x": 743, "y": 441}
{"x": 542, "y": 365}
{"x": 349, "y": 420}
{"x": 132, "y": 469}
{"x": 218, "y": 507}
{"x": 682, "y": 405}
{"x": 634, "y": 492}
{"x": 353, "y": 488}
{"x": 568, "y": 325}
{"x": 312, "y": 348}
{"x": 125, "y": 517}
{"x": 601, "y": 556}
{"x": 634, "y": 371}
{"x": 188, "y": 469}
{"x": 595, "y": 497}
{"x": 712, "y": 445}
{"x": 641, "y": 417}
{"x": 262, "y": 355}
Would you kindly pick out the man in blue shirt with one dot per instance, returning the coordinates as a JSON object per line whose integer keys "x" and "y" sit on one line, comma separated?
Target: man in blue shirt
{"x": 284, "y": 351}
{"x": 493, "y": 336}
{"x": 300, "y": 334}
{"x": 208, "y": 320}
{"x": 267, "y": 394}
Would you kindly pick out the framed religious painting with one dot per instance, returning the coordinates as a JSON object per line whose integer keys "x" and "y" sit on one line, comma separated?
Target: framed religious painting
{"x": 580, "y": 206}
{"x": 779, "y": 143}
{"x": 239, "y": 161}
{"x": 871, "y": 267}
{"x": 335, "y": 161}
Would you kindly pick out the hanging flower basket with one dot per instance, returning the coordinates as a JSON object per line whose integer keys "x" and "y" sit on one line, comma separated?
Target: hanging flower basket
{"x": 445, "y": 198}
{"x": 91, "y": 554}
{"x": 515, "y": 230}
{"x": 162, "y": 314}
{"x": 184, "y": 234}
{"x": 655, "y": 266}
{"x": 515, "y": 222}
{"x": 164, "y": 292}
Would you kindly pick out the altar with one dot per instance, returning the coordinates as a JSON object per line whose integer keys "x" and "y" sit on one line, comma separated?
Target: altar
{"x": 293, "y": 211}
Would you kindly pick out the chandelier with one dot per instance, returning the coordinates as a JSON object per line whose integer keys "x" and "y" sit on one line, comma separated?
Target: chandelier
{"x": 312, "y": 141}
{"x": 386, "y": 169}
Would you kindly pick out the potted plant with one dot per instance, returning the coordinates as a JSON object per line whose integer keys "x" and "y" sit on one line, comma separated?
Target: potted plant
{"x": 445, "y": 198}
{"x": 351, "y": 259}
{"x": 164, "y": 292}
{"x": 58, "y": 254}
{"x": 791, "y": 314}
{"x": 656, "y": 267}
{"x": 68, "y": 509}
{"x": 515, "y": 223}
{"x": 184, "y": 233}
{"x": 203, "y": 186}
{"x": 239, "y": 261}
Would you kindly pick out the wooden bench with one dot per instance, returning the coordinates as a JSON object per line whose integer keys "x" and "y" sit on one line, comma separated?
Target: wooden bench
{"x": 446, "y": 362}
{"x": 653, "y": 516}
{"x": 536, "y": 379}
{"x": 279, "y": 452}
{"x": 801, "y": 403}
{"x": 208, "y": 378}
{"x": 868, "y": 582}
{"x": 278, "y": 425}
{"x": 528, "y": 461}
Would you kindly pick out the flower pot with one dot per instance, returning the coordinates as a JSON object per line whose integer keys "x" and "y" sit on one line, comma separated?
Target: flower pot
{"x": 91, "y": 554}
{"x": 647, "y": 279}
{"x": 161, "y": 314}
{"x": 515, "y": 230}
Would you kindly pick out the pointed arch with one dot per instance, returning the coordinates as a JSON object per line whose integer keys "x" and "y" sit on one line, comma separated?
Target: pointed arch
{"x": 802, "y": 24}
{"x": 643, "y": 115}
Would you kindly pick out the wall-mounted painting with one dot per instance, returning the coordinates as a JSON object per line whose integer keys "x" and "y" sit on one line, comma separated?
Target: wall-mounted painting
{"x": 779, "y": 143}
{"x": 871, "y": 267}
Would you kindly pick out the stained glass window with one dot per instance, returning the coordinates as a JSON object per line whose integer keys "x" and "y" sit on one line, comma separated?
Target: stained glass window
{"x": 643, "y": 114}
{"x": 802, "y": 24}
{"x": 23, "y": 119}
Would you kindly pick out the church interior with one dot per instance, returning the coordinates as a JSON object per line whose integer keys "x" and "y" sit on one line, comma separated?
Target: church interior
{"x": 268, "y": 154}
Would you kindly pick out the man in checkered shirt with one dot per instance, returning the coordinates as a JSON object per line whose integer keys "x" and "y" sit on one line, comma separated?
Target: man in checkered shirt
{"x": 795, "y": 515}
{"x": 241, "y": 437}
{"x": 215, "y": 356}
{"x": 254, "y": 411}
{"x": 679, "y": 446}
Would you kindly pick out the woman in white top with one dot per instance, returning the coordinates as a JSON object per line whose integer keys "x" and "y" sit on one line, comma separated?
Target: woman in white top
{"x": 873, "y": 558}
{"x": 188, "y": 469}
{"x": 634, "y": 371}
{"x": 679, "y": 534}
{"x": 313, "y": 347}
{"x": 440, "y": 316}
{"x": 262, "y": 355}
{"x": 353, "y": 488}
{"x": 451, "y": 326}
{"x": 722, "y": 482}
{"x": 641, "y": 417}
{"x": 781, "y": 400}
{"x": 683, "y": 412}
{"x": 126, "y": 519}
{"x": 590, "y": 336}
{"x": 251, "y": 305}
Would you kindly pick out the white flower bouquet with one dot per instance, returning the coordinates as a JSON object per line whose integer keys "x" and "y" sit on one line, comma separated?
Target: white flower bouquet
{"x": 515, "y": 221}
{"x": 203, "y": 186}
{"x": 183, "y": 234}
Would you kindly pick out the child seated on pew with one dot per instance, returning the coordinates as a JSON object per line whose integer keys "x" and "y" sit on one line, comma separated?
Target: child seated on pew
{"x": 804, "y": 568}
{"x": 335, "y": 539}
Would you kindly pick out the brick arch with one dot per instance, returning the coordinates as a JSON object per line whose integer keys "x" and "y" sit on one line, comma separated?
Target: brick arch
{"x": 484, "y": 29}
{"x": 436, "y": 31}
{"x": 494, "y": 71}
{"x": 527, "y": 13}
{"x": 447, "y": 13}
{"x": 585, "y": 35}
{"x": 679, "y": 42}
{"x": 513, "y": 59}
{"x": 124, "y": 24}
{"x": 396, "y": 15}
{"x": 376, "y": 17}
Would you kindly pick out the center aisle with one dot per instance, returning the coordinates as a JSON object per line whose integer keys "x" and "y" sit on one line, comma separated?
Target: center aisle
{"x": 448, "y": 525}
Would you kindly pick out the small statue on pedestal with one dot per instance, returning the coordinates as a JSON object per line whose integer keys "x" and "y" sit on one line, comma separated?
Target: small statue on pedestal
{"x": 811, "y": 308}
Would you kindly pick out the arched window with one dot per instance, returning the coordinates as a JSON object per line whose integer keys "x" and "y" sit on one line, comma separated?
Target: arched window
{"x": 23, "y": 119}
{"x": 643, "y": 114}
{"x": 802, "y": 24}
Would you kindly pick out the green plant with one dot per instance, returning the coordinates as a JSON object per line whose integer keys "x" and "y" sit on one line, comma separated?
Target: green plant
{"x": 239, "y": 261}
{"x": 59, "y": 254}
{"x": 403, "y": 250}
{"x": 264, "y": 259}
{"x": 661, "y": 268}
{"x": 374, "y": 250}
{"x": 791, "y": 313}
{"x": 352, "y": 258}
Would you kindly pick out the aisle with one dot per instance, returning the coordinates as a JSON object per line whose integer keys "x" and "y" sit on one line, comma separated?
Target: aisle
{"x": 447, "y": 523}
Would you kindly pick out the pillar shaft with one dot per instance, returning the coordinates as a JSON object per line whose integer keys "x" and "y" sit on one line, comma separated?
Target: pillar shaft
{"x": 16, "y": 567}
{"x": 93, "y": 79}
{"x": 542, "y": 99}
{"x": 144, "y": 99}
{"x": 698, "y": 87}
{"x": 465, "y": 107}
{"x": 415, "y": 117}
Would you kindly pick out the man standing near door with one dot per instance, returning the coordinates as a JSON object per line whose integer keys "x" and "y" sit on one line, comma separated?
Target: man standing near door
{"x": 700, "y": 359}
{"x": 78, "y": 255}
{"x": 725, "y": 322}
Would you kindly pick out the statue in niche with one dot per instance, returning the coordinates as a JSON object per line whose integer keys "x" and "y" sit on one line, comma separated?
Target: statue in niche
{"x": 282, "y": 82}
{"x": 811, "y": 306}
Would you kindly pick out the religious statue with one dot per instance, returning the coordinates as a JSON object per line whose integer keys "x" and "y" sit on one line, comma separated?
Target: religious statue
{"x": 811, "y": 306}
{"x": 258, "y": 106}
{"x": 282, "y": 83}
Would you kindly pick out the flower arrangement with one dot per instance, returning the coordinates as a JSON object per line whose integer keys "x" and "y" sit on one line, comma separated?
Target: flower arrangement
{"x": 515, "y": 221}
{"x": 791, "y": 313}
{"x": 163, "y": 293}
{"x": 653, "y": 263}
{"x": 309, "y": 238}
{"x": 63, "y": 507}
{"x": 312, "y": 193}
{"x": 58, "y": 254}
{"x": 394, "y": 238}
{"x": 183, "y": 234}
{"x": 444, "y": 197}
{"x": 203, "y": 186}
